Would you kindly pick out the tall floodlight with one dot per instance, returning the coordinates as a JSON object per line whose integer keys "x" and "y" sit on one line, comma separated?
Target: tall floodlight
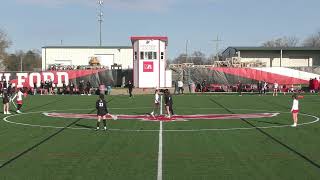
{"x": 100, "y": 16}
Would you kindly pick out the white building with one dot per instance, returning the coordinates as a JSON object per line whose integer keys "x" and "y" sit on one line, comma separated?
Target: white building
{"x": 275, "y": 57}
{"x": 81, "y": 55}
{"x": 149, "y": 62}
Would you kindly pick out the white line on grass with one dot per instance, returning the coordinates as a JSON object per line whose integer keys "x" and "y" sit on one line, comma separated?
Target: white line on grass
{"x": 317, "y": 119}
{"x": 159, "y": 177}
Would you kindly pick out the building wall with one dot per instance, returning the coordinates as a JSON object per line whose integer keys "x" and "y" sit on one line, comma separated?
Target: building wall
{"x": 289, "y": 58}
{"x": 81, "y": 56}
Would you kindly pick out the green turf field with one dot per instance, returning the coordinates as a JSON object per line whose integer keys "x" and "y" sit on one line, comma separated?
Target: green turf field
{"x": 34, "y": 146}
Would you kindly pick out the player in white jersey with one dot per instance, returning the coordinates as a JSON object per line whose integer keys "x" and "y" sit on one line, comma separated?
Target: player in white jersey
{"x": 295, "y": 110}
{"x": 275, "y": 88}
{"x": 19, "y": 100}
{"x": 156, "y": 101}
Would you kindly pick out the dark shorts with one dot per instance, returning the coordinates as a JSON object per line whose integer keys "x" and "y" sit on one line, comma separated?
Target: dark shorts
{"x": 5, "y": 100}
{"x": 101, "y": 113}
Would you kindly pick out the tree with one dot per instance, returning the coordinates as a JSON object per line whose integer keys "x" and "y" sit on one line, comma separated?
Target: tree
{"x": 313, "y": 40}
{"x": 198, "y": 58}
{"x": 30, "y": 60}
{"x": 4, "y": 44}
{"x": 182, "y": 58}
{"x": 282, "y": 42}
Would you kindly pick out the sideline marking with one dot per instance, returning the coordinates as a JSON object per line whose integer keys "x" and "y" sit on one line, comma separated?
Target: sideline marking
{"x": 159, "y": 177}
{"x": 154, "y": 130}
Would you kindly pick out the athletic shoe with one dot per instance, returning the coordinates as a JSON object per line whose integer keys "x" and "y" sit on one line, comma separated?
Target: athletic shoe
{"x": 4, "y": 112}
{"x": 152, "y": 113}
{"x": 294, "y": 125}
{"x": 19, "y": 111}
{"x": 97, "y": 129}
{"x": 105, "y": 128}
{"x": 8, "y": 112}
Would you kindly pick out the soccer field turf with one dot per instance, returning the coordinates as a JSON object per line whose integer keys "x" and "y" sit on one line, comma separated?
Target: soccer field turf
{"x": 34, "y": 146}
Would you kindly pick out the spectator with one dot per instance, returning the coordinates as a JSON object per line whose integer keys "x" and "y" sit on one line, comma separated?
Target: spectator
{"x": 180, "y": 86}
{"x": 130, "y": 87}
{"x": 240, "y": 88}
{"x": 88, "y": 88}
{"x": 259, "y": 86}
{"x": 204, "y": 86}
{"x": 175, "y": 87}
{"x": 71, "y": 87}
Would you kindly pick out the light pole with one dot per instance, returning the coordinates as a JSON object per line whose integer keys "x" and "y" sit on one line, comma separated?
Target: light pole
{"x": 100, "y": 16}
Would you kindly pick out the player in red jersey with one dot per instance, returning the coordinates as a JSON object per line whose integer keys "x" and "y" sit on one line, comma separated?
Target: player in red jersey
{"x": 295, "y": 109}
{"x": 19, "y": 100}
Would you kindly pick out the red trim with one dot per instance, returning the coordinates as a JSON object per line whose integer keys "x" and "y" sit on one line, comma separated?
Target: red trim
{"x": 295, "y": 111}
{"x": 161, "y": 38}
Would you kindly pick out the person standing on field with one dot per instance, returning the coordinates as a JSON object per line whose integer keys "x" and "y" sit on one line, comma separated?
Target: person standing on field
{"x": 168, "y": 103}
{"x": 295, "y": 110}
{"x": 156, "y": 102}
{"x": 5, "y": 101}
{"x": 275, "y": 88}
{"x": 102, "y": 111}
{"x": 130, "y": 87}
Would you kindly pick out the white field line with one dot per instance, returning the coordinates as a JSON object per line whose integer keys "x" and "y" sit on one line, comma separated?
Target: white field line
{"x": 159, "y": 177}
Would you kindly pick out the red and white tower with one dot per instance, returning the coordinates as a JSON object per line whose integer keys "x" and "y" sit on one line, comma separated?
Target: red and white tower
{"x": 149, "y": 62}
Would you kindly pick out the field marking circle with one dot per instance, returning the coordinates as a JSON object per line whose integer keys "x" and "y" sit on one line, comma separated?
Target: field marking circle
{"x": 155, "y": 130}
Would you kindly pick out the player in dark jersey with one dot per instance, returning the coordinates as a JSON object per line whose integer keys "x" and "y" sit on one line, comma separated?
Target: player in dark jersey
{"x": 102, "y": 111}
{"x": 168, "y": 103}
{"x": 5, "y": 101}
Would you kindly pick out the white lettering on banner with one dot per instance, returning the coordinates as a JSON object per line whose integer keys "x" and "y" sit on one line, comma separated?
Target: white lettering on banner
{"x": 38, "y": 79}
{"x": 48, "y": 76}
{"x": 7, "y": 76}
{"x": 21, "y": 80}
{"x": 26, "y": 79}
{"x": 66, "y": 78}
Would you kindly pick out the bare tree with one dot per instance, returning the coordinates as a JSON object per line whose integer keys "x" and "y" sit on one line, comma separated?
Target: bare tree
{"x": 282, "y": 42}
{"x": 198, "y": 58}
{"x": 313, "y": 40}
{"x": 4, "y": 44}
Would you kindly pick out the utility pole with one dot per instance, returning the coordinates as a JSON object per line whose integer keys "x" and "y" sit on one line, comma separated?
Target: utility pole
{"x": 217, "y": 41}
{"x": 100, "y": 16}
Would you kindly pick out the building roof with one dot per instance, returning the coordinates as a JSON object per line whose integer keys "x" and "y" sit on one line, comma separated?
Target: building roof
{"x": 243, "y": 48}
{"x": 161, "y": 38}
{"x": 88, "y": 47}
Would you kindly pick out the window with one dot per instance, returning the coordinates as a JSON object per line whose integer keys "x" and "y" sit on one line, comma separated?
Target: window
{"x": 154, "y": 55}
{"x": 149, "y": 55}
{"x": 146, "y": 55}
{"x": 135, "y": 55}
{"x": 162, "y": 55}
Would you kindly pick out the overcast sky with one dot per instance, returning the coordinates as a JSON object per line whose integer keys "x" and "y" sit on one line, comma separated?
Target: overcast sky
{"x": 32, "y": 24}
